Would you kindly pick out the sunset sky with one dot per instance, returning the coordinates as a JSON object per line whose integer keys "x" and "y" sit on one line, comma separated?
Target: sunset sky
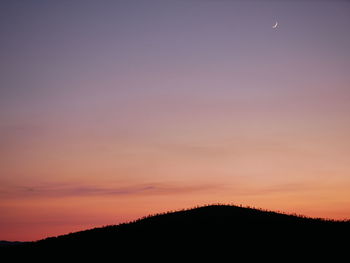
{"x": 113, "y": 110}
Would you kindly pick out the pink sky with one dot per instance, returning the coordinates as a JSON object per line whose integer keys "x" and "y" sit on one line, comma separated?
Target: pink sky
{"x": 110, "y": 112}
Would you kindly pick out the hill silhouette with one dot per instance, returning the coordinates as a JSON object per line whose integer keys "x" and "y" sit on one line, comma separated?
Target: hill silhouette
{"x": 212, "y": 227}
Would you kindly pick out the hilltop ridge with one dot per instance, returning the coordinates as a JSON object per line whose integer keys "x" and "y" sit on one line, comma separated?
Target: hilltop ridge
{"x": 211, "y": 226}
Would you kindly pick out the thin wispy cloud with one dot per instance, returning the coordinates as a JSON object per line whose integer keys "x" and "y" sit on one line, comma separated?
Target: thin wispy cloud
{"x": 66, "y": 190}
{"x": 59, "y": 190}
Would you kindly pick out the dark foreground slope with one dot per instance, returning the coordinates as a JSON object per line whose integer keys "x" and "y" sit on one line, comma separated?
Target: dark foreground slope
{"x": 200, "y": 230}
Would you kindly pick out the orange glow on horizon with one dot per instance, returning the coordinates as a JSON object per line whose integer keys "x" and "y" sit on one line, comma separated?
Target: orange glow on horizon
{"x": 114, "y": 111}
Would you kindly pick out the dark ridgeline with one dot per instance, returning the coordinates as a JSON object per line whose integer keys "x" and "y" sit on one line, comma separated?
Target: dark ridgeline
{"x": 4, "y": 243}
{"x": 207, "y": 229}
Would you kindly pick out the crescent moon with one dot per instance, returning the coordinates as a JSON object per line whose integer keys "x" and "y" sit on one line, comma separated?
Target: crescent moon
{"x": 275, "y": 25}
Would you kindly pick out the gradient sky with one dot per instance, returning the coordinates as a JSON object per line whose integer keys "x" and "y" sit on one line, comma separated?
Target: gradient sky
{"x": 112, "y": 110}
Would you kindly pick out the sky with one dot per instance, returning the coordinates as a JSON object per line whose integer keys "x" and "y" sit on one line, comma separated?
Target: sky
{"x": 113, "y": 110}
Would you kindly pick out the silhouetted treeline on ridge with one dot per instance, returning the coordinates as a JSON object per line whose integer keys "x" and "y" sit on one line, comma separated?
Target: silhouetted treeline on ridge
{"x": 214, "y": 226}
